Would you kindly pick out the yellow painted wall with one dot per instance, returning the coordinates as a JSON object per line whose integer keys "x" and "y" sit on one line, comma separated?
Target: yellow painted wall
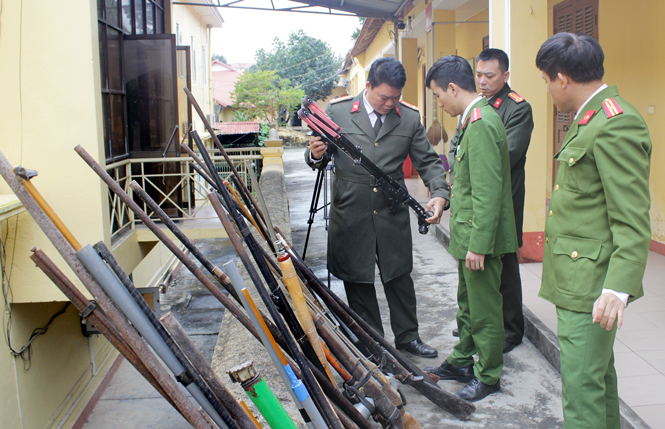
{"x": 632, "y": 60}
{"x": 410, "y": 62}
{"x": 443, "y": 37}
{"x": 382, "y": 43}
{"x": 192, "y": 25}
{"x": 51, "y": 101}
{"x": 526, "y": 39}
{"x": 469, "y": 37}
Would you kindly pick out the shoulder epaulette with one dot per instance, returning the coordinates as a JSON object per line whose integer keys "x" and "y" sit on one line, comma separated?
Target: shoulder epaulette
{"x": 475, "y": 115}
{"x": 515, "y": 97}
{"x": 338, "y": 99}
{"x": 410, "y": 106}
{"x": 611, "y": 108}
{"x": 587, "y": 116}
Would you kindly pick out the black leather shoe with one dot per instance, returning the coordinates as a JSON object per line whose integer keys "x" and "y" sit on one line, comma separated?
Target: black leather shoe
{"x": 455, "y": 332}
{"x": 476, "y": 390}
{"x": 508, "y": 346}
{"x": 446, "y": 371}
{"x": 418, "y": 348}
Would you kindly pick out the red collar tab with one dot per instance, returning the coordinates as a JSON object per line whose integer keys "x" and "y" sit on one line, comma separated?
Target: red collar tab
{"x": 587, "y": 116}
{"x": 475, "y": 115}
{"x": 355, "y": 107}
{"x": 497, "y": 103}
{"x": 465, "y": 122}
{"x": 516, "y": 97}
{"x": 611, "y": 108}
{"x": 410, "y": 106}
{"x": 397, "y": 110}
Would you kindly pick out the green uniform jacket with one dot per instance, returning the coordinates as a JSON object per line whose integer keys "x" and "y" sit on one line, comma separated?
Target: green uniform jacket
{"x": 598, "y": 229}
{"x": 517, "y": 118}
{"x": 361, "y": 225}
{"x": 481, "y": 207}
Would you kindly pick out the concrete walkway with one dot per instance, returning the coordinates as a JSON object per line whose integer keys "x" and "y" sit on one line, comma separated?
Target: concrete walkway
{"x": 530, "y": 395}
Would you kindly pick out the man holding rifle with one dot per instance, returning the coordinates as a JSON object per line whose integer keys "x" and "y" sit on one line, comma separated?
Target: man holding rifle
{"x": 362, "y": 227}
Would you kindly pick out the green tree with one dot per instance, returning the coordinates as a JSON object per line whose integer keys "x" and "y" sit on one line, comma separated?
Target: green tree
{"x": 356, "y": 32}
{"x": 308, "y": 63}
{"x": 256, "y": 92}
{"x": 219, "y": 57}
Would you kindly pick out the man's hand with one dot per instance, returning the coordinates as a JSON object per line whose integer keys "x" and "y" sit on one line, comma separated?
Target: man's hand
{"x": 438, "y": 203}
{"x": 317, "y": 147}
{"x": 475, "y": 261}
{"x": 608, "y": 308}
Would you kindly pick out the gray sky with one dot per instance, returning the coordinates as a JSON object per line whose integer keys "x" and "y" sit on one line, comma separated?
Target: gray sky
{"x": 246, "y": 31}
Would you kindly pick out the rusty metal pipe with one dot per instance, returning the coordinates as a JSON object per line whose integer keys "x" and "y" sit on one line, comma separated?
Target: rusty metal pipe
{"x": 91, "y": 312}
{"x": 131, "y": 336}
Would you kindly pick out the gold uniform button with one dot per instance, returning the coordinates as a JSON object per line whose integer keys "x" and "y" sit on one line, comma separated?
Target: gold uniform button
{"x": 452, "y": 195}
{"x": 574, "y": 254}
{"x": 547, "y": 240}
{"x": 556, "y": 188}
{"x": 455, "y": 176}
{"x": 375, "y": 212}
{"x": 376, "y": 144}
{"x": 470, "y": 222}
{"x": 551, "y": 213}
{"x": 375, "y": 190}
{"x": 571, "y": 160}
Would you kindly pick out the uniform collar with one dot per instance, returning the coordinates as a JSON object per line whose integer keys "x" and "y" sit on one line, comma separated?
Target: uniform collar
{"x": 466, "y": 111}
{"x": 603, "y": 86}
{"x": 503, "y": 92}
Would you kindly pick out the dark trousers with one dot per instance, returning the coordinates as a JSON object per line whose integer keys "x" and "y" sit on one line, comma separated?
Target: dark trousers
{"x": 401, "y": 296}
{"x": 511, "y": 290}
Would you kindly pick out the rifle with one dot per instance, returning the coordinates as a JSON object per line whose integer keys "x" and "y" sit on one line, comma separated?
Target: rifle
{"x": 396, "y": 193}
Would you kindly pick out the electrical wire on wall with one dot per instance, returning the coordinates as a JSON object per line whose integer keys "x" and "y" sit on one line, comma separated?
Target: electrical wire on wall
{"x": 25, "y": 352}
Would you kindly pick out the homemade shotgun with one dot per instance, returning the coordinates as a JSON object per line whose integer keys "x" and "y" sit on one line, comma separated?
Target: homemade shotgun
{"x": 396, "y": 193}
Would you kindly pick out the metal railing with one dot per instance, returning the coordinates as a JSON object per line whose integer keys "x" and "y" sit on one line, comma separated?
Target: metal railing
{"x": 177, "y": 188}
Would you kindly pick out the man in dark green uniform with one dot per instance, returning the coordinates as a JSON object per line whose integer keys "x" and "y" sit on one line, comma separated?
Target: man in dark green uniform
{"x": 482, "y": 228}
{"x": 363, "y": 230}
{"x": 598, "y": 228}
{"x": 515, "y": 112}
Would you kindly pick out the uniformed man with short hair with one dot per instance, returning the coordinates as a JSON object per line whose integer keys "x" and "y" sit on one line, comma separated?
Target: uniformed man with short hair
{"x": 598, "y": 229}
{"x": 482, "y": 228}
{"x": 363, "y": 230}
{"x": 515, "y": 112}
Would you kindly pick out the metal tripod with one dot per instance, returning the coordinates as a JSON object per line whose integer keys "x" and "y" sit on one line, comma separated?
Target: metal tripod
{"x": 323, "y": 178}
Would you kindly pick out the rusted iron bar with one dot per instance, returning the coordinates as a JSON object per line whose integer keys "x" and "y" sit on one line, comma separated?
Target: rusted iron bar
{"x": 91, "y": 312}
{"x": 131, "y": 336}
{"x": 224, "y": 395}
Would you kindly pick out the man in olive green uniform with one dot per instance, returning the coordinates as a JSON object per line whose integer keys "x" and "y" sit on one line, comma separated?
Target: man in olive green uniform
{"x": 598, "y": 229}
{"x": 362, "y": 229}
{"x": 515, "y": 112}
{"x": 482, "y": 228}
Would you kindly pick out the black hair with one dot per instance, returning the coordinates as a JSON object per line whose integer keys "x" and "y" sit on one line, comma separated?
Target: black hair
{"x": 451, "y": 68}
{"x": 387, "y": 70}
{"x": 495, "y": 54}
{"x": 578, "y": 56}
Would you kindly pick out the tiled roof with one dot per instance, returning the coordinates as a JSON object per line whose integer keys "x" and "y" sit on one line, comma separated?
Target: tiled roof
{"x": 226, "y": 128}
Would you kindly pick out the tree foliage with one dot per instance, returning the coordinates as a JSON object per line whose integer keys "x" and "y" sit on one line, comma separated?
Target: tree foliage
{"x": 255, "y": 92}
{"x": 356, "y": 32}
{"x": 308, "y": 63}
{"x": 219, "y": 57}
